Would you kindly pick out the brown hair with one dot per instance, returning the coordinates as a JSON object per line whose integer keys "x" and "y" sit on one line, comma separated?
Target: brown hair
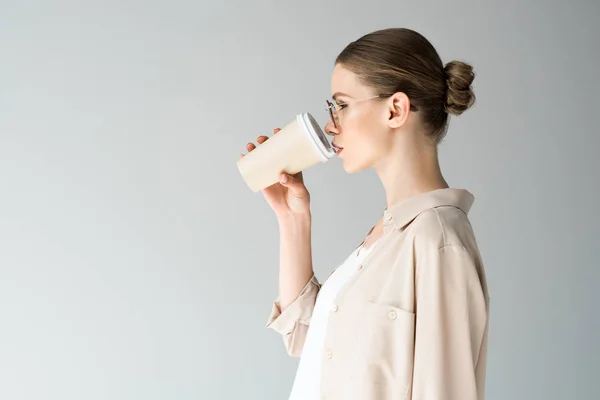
{"x": 402, "y": 60}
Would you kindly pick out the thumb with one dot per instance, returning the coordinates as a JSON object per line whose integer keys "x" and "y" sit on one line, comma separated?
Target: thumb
{"x": 292, "y": 183}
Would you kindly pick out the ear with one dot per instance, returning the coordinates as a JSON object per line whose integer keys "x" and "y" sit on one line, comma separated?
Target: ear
{"x": 398, "y": 108}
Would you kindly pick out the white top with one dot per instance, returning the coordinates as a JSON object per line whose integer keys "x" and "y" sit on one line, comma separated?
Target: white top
{"x": 307, "y": 381}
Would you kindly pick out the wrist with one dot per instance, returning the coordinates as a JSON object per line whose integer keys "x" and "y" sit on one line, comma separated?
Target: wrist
{"x": 297, "y": 219}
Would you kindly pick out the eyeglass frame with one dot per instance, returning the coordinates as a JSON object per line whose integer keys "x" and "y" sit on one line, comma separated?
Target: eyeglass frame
{"x": 329, "y": 107}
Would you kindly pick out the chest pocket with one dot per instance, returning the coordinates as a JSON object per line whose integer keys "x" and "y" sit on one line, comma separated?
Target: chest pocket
{"x": 385, "y": 350}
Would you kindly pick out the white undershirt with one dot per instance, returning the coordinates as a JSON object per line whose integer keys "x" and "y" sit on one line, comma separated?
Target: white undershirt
{"x": 307, "y": 382}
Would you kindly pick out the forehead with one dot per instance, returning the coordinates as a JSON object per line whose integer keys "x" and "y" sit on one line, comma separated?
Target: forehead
{"x": 345, "y": 81}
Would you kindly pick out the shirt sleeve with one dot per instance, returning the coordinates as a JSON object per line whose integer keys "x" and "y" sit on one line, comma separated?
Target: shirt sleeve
{"x": 292, "y": 323}
{"x": 451, "y": 327}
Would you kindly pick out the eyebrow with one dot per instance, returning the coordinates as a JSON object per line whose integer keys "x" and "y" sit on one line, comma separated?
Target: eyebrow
{"x": 338, "y": 94}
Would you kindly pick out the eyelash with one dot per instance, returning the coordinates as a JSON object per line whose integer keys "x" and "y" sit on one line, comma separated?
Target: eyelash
{"x": 342, "y": 106}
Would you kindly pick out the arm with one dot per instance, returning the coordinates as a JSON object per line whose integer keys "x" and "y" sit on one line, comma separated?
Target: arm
{"x": 295, "y": 257}
{"x": 451, "y": 327}
{"x": 298, "y": 286}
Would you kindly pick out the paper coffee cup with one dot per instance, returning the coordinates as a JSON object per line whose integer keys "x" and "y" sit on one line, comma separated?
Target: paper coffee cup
{"x": 301, "y": 144}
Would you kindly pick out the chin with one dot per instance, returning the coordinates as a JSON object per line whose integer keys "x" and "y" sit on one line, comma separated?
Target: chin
{"x": 353, "y": 168}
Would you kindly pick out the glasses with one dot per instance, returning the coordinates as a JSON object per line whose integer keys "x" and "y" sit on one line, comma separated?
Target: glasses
{"x": 335, "y": 108}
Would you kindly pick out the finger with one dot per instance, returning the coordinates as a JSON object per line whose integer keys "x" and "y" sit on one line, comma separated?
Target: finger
{"x": 292, "y": 183}
{"x": 250, "y": 146}
{"x": 261, "y": 139}
{"x": 276, "y": 130}
{"x": 241, "y": 155}
{"x": 299, "y": 177}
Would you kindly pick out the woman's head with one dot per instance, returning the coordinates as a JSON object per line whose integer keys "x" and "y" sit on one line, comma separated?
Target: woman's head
{"x": 393, "y": 82}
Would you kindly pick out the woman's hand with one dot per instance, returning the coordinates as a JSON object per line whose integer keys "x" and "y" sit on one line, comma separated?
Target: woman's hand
{"x": 289, "y": 197}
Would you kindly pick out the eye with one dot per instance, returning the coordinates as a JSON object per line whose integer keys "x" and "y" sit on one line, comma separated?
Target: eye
{"x": 341, "y": 106}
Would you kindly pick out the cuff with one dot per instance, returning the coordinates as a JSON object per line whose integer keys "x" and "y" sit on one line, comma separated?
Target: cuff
{"x": 300, "y": 310}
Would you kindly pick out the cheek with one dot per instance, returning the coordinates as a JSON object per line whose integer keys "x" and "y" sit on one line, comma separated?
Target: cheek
{"x": 364, "y": 140}
{"x": 360, "y": 152}
{"x": 370, "y": 123}
{"x": 368, "y": 137}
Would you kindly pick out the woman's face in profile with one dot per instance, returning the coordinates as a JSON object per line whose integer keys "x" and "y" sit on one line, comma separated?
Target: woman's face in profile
{"x": 361, "y": 129}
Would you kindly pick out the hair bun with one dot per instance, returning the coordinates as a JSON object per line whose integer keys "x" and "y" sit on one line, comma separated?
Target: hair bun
{"x": 460, "y": 95}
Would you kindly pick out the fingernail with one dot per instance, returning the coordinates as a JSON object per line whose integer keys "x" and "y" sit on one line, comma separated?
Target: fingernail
{"x": 284, "y": 179}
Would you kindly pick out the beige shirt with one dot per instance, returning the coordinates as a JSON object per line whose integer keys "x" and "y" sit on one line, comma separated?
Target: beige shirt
{"x": 413, "y": 322}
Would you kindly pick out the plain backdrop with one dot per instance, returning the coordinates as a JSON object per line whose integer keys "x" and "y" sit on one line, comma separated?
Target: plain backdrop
{"x": 136, "y": 264}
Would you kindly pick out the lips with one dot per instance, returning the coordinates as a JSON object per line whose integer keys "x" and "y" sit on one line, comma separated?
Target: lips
{"x": 338, "y": 149}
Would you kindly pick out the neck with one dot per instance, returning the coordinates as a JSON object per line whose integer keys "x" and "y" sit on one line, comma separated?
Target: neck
{"x": 410, "y": 169}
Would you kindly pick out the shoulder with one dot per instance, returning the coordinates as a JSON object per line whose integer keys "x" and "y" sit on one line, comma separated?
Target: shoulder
{"x": 444, "y": 245}
{"x": 440, "y": 227}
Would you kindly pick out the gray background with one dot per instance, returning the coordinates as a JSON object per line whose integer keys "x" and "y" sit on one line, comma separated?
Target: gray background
{"x": 136, "y": 264}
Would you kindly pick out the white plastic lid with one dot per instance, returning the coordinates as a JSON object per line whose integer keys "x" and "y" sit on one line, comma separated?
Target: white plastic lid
{"x": 317, "y": 136}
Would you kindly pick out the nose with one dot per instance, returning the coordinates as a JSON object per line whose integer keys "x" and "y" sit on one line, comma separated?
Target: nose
{"x": 330, "y": 129}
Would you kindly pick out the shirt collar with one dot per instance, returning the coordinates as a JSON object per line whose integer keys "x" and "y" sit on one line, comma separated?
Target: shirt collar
{"x": 403, "y": 212}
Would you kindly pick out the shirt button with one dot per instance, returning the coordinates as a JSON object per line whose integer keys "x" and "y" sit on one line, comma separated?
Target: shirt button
{"x": 329, "y": 355}
{"x": 334, "y": 308}
{"x": 392, "y": 315}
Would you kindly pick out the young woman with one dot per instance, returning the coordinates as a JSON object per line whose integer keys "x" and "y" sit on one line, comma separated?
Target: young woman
{"x": 406, "y": 315}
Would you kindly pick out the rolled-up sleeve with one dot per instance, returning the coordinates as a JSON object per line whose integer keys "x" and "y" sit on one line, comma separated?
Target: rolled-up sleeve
{"x": 292, "y": 323}
{"x": 451, "y": 327}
